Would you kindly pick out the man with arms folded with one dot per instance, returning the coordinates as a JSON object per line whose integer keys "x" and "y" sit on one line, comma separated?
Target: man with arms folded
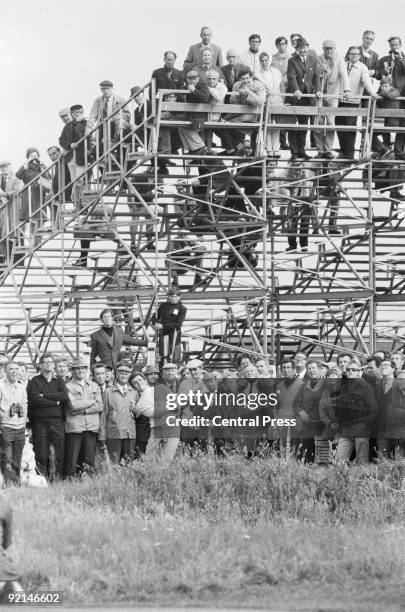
{"x": 82, "y": 423}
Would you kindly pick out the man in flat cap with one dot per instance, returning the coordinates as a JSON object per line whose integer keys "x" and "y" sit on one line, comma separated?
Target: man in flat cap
{"x": 167, "y": 322}
{"x": 303, "y": 77}
{"x": 151, "y": 374}
{"x": 103, "y": 107}
{"x": 195, "y": 51}
{"x": 107, "y": 341}
{"x": 335, "y": 80}
{"x": 117, "y": 429}
{"x": 82, "y": 423}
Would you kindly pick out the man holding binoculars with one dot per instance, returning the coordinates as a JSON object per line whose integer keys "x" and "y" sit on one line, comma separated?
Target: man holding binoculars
{"x": 13, "y": 417}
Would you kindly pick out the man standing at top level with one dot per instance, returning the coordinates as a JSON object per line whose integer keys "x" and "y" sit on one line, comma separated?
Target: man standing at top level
{"x": 251, "y": 57}
{"x": 303, "y": 77}
{"x": 103, "y": 106}
{"x": 393, "y": 65}
{"x": 359, "y": 80}
{"x": 168, "y": 77}
{"x": 194, "y": 53}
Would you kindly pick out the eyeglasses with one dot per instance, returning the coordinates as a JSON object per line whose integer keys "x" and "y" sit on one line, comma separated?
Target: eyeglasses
{"x": 353, "y": 370}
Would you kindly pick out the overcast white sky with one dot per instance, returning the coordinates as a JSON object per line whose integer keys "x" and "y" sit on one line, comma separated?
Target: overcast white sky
{"x": 55, "y": 52}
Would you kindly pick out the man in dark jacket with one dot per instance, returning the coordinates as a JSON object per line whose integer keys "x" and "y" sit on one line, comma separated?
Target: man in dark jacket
{"x": 72, "y": 133}
{"x": 106, "y": 342}
{"x": 306, "y": 409}
{"x": 47, "y": 401}
{"x": 393, "y": 65}
{"x": 356, "y": 409}
{"x": 303, "y": 77}
{"x": 391, "y": 430}
{"x": 193, "y": 137}
{"x": 168, "y": 77}
{"x": 167, "y": 322}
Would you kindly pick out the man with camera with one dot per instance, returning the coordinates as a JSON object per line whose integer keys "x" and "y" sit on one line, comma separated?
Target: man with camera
{"x": 13, "y": 416}
{"x": 393, "y": 65}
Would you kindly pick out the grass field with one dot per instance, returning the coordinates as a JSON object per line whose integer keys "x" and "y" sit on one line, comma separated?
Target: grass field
{"x": 204, "y": 531}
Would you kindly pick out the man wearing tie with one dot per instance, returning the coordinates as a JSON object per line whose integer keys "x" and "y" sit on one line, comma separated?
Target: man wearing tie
{"x": 102, "y": 107}
{"x": 232, "y": 70}
{"x": 359, "y": 80}
{"x": 303, "y": 77}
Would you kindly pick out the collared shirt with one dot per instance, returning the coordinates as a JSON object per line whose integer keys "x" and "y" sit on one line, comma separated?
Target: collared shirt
{"x": 12, "y": 394}
{"x": 84, "y": 407}
{"x": 359, "y": 79}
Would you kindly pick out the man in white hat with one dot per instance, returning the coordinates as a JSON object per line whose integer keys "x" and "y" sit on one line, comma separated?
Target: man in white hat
{"x": 82, "y": 423}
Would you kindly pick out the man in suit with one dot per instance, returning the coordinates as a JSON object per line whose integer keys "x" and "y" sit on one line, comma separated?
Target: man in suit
{"x": 303, "y": 77}
{"x": 168, "y": 77}
{"x": 106, "y": 342}
{"x": 231, "y": 71}
{"x": 393, "y": 65}
{"x": 194, "y": 53}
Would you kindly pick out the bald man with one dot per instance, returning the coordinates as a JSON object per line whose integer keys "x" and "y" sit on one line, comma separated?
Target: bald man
{"x": 231, "y": 71}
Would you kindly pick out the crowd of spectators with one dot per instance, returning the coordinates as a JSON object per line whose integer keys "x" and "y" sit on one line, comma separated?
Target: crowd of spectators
{"x": 295, "y": 75}
{"x": 351, "y": 409}
{"x": 298, "y": 76}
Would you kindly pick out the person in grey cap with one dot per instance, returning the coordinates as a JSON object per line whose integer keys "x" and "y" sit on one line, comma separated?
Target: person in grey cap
{"x": 82, "y": 423}
{"x": 103, "y": 107}
{"x": 117, "y": 428}
{"x": 151, "y": 373}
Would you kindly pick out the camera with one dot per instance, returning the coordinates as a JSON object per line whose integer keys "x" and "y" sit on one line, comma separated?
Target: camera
{"x": 34, "y": 164}
{"x": 16, "y": 409}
